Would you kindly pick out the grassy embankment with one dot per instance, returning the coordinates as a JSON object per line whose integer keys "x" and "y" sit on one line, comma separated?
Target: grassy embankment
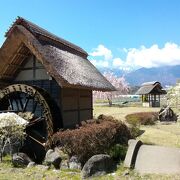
{"x": 160, "y": 134}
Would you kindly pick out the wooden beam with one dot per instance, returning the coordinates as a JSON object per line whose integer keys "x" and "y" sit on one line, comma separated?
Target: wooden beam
{"x": 21, "y": 54}
{"x": 6, "y": 76}
{"x": 14, "y": 65}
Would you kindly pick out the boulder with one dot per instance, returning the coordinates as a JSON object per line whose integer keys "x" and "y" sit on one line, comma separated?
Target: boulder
{"x": 98, "y": 165}
{"x": 31, "y": 164}
{"x": 167, "y": 114}
{"x": 20, "y": 159}
{"x": 53, "y": 157}
{"x": 74, "y": 163}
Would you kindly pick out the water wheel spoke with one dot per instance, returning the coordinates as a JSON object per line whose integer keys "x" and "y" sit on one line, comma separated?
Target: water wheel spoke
{"x": 10, "y": 103}
{"x": 37, "y": 141}
{"x": 17, "y": 104}
{"x": 34, "y": 106}
{"x": 33, "y": 122}
{"x": 20, "y": 101}
{"x": 25, "y": 103}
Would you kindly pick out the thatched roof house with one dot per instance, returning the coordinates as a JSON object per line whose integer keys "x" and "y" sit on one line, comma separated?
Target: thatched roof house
{"x": 64, "y": 61}
{"x": 47, "y": 80}
{"x": 33, "y": 56}
{"x": 151, "y": 92}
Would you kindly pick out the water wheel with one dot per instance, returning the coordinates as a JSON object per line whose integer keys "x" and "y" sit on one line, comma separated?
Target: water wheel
{"x": 36, "y": 106}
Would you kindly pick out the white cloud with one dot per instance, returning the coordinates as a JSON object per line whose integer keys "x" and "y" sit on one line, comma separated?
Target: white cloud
{"x": 154, "y": 56}
{"x": 101, "y": 50}
{"x": 134, "y": 58}
{"x": 99, "y": 63}
{"x": 117, "y": 62}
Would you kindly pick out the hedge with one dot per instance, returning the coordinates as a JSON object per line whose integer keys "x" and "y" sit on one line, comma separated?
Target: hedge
{"x": 92, "y": 137}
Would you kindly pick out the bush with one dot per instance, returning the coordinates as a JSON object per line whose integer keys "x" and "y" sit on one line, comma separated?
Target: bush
{"x": 118, "y": 152}
{"x": 93, "y": 137}
{"x": 142, "y": 118}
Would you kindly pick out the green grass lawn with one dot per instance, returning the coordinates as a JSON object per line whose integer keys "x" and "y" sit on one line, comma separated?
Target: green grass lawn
{"x": 159, "y": 134}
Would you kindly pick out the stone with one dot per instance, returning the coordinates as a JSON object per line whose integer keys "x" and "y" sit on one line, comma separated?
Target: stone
{"x": 166, "y": 114}
{"x": 64, "y": 164}
{"x": 132, "y": 151}
{"x": 125, "y": 173}
{"x": 31, "y": 164}
{"x": 158, "y": 159}
{"x": 74, "y": 163}
{"x": 53, "y": 157}
{"x": 42, "y": 167}
{"x": 98, "y": 165}
{"x": 20, "y": 159}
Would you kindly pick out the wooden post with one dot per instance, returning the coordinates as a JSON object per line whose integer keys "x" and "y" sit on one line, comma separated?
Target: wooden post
{"x": 34, "y": 68}
{"x": 78, "y": 96}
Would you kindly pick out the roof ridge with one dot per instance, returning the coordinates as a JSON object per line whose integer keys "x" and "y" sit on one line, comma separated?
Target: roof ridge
{"x": 36, "y": 30}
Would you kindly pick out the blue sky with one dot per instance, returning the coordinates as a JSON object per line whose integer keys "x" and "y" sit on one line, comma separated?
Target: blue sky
{"x": 116, "y": 33}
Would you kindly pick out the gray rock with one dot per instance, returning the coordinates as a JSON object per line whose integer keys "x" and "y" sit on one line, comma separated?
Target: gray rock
{"x": 64, "y": 164}
{"x": 20, "y": 160}
{"x": 74, "y": 163}
{"x": 53, "y": 157}
{"x": 42, "y": 167}
{"x": 31, "y": 164}
{"x": 132, "y": 151}
{"x": 98, "y": 165}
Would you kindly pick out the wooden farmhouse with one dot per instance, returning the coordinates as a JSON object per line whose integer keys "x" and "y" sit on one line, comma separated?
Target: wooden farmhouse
{"x": 32, "y": 56}
{"x": 151, "y": 93}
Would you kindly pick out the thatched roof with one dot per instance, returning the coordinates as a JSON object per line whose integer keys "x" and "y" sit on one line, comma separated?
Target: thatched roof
{"x": 151, "y": 88}
{"x": 64, "y": 61}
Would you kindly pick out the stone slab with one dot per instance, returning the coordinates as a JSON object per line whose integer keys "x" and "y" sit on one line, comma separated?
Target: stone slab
{"x": 158, "y": 159}
{"x": 132, "y": 151}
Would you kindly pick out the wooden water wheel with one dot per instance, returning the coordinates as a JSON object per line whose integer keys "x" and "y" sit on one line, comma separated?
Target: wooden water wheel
{"x": 36, "y": 106}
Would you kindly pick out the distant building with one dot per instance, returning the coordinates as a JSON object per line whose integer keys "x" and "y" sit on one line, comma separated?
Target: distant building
{"x": 151, "y": 92}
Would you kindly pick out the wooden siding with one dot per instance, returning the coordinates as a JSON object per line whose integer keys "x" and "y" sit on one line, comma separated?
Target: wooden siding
{"x": 31, "y": 69}
{"x": 77, "y": 106}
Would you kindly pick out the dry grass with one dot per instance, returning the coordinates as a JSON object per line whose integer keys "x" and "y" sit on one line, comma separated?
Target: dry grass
{"x": 159, "y": 134}
{"x": 162, "y": 134}
{"x": 121, "y": 112}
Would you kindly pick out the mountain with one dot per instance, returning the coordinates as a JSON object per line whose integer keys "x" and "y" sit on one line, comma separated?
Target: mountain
{"x": 118, "y": 72}
{"x": 166, "y": 75}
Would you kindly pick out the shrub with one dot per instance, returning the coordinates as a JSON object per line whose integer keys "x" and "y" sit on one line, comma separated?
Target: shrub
{"x": 142, "y": 118}
{"x": 11, "y": 131}
{"x": 118, "y": 152}
{"x": 93, "y": 137}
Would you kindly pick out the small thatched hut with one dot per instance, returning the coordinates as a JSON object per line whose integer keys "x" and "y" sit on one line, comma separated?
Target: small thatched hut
{"x": 33, "y": 56}
{"x": 151, "y": 93}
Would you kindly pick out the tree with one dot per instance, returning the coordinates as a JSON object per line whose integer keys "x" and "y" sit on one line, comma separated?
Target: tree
{"x": 173, "y": 97}
{"x": 119, "y": 83}
{"x": 12, "y": 128}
